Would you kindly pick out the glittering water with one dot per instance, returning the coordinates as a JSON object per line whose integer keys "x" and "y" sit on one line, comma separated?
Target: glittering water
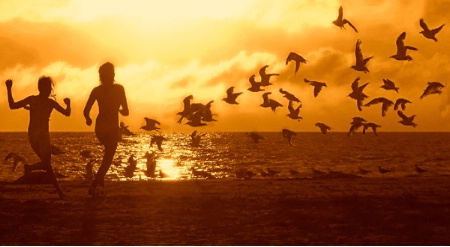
{"x": 221, "y": 154}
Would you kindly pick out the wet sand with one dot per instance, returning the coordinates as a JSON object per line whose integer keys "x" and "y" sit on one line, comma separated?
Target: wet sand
{"x": 358, "y": 211}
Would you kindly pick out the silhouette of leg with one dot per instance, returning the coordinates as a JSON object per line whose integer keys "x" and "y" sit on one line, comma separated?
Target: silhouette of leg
{"x": 108, "y": 156}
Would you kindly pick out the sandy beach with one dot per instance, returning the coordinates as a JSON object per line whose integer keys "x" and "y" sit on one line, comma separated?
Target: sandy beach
{"x": 360, "y": 211}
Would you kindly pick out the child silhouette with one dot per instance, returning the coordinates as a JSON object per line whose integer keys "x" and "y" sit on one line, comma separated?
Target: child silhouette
{"x": 110, "y": 97}
{"x": 40, "y": 107}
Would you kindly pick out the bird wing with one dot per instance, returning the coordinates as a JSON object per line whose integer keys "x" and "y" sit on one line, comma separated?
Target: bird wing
{"x": 424, "y": 25}
{"x": 389, "y": 83}
{"x": 317, "y": 90}
{"x": 230, "y": 91}
{"x": 358, "y": 53}
{"x": 403, "y": 116}
{"x": 341, "y": 13}
{"x": 399, "y": 42}
{"x": 355, "y": 84}
{"x": 436, "y": 30}
{"x": 350, "y": 24}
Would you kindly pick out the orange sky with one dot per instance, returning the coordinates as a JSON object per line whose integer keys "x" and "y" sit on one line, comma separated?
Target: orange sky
{"x": 167, "y": 50}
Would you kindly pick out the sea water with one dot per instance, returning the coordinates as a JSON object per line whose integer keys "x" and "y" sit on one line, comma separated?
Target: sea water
{"x": 222, "y": 154}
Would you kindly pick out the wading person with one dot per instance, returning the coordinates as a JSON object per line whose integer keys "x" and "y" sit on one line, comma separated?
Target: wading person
{"x": 40, "y": 107}
{"x": 111, "y": 101}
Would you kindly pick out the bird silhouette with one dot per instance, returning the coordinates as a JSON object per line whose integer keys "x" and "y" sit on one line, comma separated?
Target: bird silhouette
{"x": 158, "y": 140}
{"x": 269, "y": 103}
{"x": 433, "y": 88}
{"x": 323, "y": 127}
{"x": 401, "y": 102}
{"x": 150, "y": 124}
{"x": 131, "y": 168}
{"x": 429, "y": 33}
{"x": 401, "y": 48}
{"x": 17, "y": 160}
{"x": 196, "y": 120}
{"x": 231, "y": 96}
{"x": 317, "y": 86}
{"x": 195, "y": 138}
{"x": 407, "y": 121}
{"x": 187, "y": 108}
{"x": 361, "y": 62}
{"x": 389, "y": 85}
{"x": 356, "y": 123}
{"x": 150, "y": 164}
{"x": 206, "y": 113}
{"x": 297, "y": 59}
{"x": 289, "y": 96}
{"x": 357, "y": 93}
{"x": 256, "y": 138}
{"x": 374, "y": 127}
{"x": 265, "y": 78}
{"x": 385, "y": 104}
{"x": 294, "y": 112}
{"x": 289, "y": 135}
{"x": 254, "y": 85}
{"x": 340, "y": 21}
{"x": 244, "y": 173}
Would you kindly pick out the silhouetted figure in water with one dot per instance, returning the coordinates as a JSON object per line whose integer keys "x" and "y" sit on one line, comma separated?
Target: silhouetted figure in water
{"x": 340, "y": 21}
{"x": 297, "y": 59}
{"x": 40, "y": 107}
{"x": 389, "y": 85}
{"x": 360, "y": 64}
{"x": 401, "y": 48}
{"x": 429, "y": 33}
{"x": 433, "y": 88}
{"x": 357, "y": 93}
{"x": 111, "y": 101}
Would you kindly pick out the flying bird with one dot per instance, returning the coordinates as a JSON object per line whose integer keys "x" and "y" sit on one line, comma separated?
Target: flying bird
{"x": 231, "y": 96}
{"x": 265, "y": 78}
{"x": 401, "y": 48}
{"x": 196, "y": 120}
{"x": 401, "y": 102}
{"x": 317, "y": 86}
{"x": 389, "y": 85}
{"x": 17, "y": 160}
{"x": 374, "y": 127}
{"x": 150, "y": 124}
{"x": 187, "y": 108}
{"x": 429, "y": 33}
{"x": 297, "y": 59}
{"x": 361, "y": 62}
{"x": 206, "y": 113}
{"x": 294, "y": 112}
{"x": 407, "y": 121}
{"x": 273, "y": 104}
{"x": 288, "y": 134}
{"x": 195, "y": 138}
{"x": 158, "y": 140}
{"x": 340, "y": 21}
{"x": 433, "y": 88}
{"x": 357, "y": 93}
{"x": 289, "y": 96}
{"x": 356, "y": 123}
{"x": 323, "y": 127}
{"x": 255, "y": 86}
{"x": 385, "y": 104}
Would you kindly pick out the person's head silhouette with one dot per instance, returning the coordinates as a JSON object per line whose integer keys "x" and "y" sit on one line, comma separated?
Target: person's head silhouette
{"x": 106, "y": 73}
{"x": 45, "y": 85}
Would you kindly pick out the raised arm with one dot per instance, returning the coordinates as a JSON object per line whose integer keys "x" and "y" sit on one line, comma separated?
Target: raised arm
{"x": 65, "y": 112}
{"x": 87, "y": 108}
{"x": 12, "y": 104}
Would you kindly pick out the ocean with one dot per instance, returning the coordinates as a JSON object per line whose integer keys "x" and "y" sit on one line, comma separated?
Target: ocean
{"x": 222, "y": 154}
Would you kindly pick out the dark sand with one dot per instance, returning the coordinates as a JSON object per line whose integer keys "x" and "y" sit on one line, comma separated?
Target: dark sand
{"x": 360, "y": 211}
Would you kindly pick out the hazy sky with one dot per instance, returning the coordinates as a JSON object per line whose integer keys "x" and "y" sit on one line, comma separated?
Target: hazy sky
{"x": 166, "y": 50}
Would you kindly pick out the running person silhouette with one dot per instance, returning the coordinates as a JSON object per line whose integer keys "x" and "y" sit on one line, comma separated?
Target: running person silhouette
{"x": 40, "y": 107}
{"x": 110, "y": 97}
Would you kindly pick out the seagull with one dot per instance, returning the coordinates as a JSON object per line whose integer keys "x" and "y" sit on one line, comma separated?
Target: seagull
{"x": 244, "y": 173}
{"x": 231, "y": 97}
{"x": 357, "y": 93}
{"x": 356, "y": 124}
{"x": 273, "y": 104}
{"x": 124, "y": 130}
{"x": 374, "y": 127}
{"x": 383, "y": 170}
{"x": 385, "y": 104}
{"x": 401, "y": 102}
{"x": 158, "y": 140}
{"x": 420, "y": 170}
{"x": 317, "y": 86}
{"x": 407, "y": 121}
{"x": 206, "y": 113}
{"x": 56, "y": 150}
{"x": 288, "y": 134}
{"x": 297, "y": 58}
{"x": 187, "y": 108}
{"x": 294, "y": 112}
{"x": 389, "y": 85}
{"x": 289, "y": 96}
{"x": 401, "y": 49}
{"x": 196, "y": 120}
{"x": 151, "y": 164}
{"x": 363, "y": 171}
{"x": 340, "y": 21}
{"x": 195, "y": 138}
{"x": 265, "y": 78}
{"x": 361, "y": 62}
{"x": 255, "y": 86}
{"x": 433, "y": 88}
{"x": 17, "y": 160}
{"x": 150, "y": 124}
{"x": 255, "y": 137}
{"x": 323, "y": 127}
{"x": 427, "y": 33}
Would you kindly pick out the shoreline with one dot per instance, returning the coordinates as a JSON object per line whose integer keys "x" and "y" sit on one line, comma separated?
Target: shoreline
{"x": 359, "y": 211}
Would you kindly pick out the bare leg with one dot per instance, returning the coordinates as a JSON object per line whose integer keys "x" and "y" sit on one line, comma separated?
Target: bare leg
{"x": 108, "y": 156}
{"x": 51, "y": 175}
